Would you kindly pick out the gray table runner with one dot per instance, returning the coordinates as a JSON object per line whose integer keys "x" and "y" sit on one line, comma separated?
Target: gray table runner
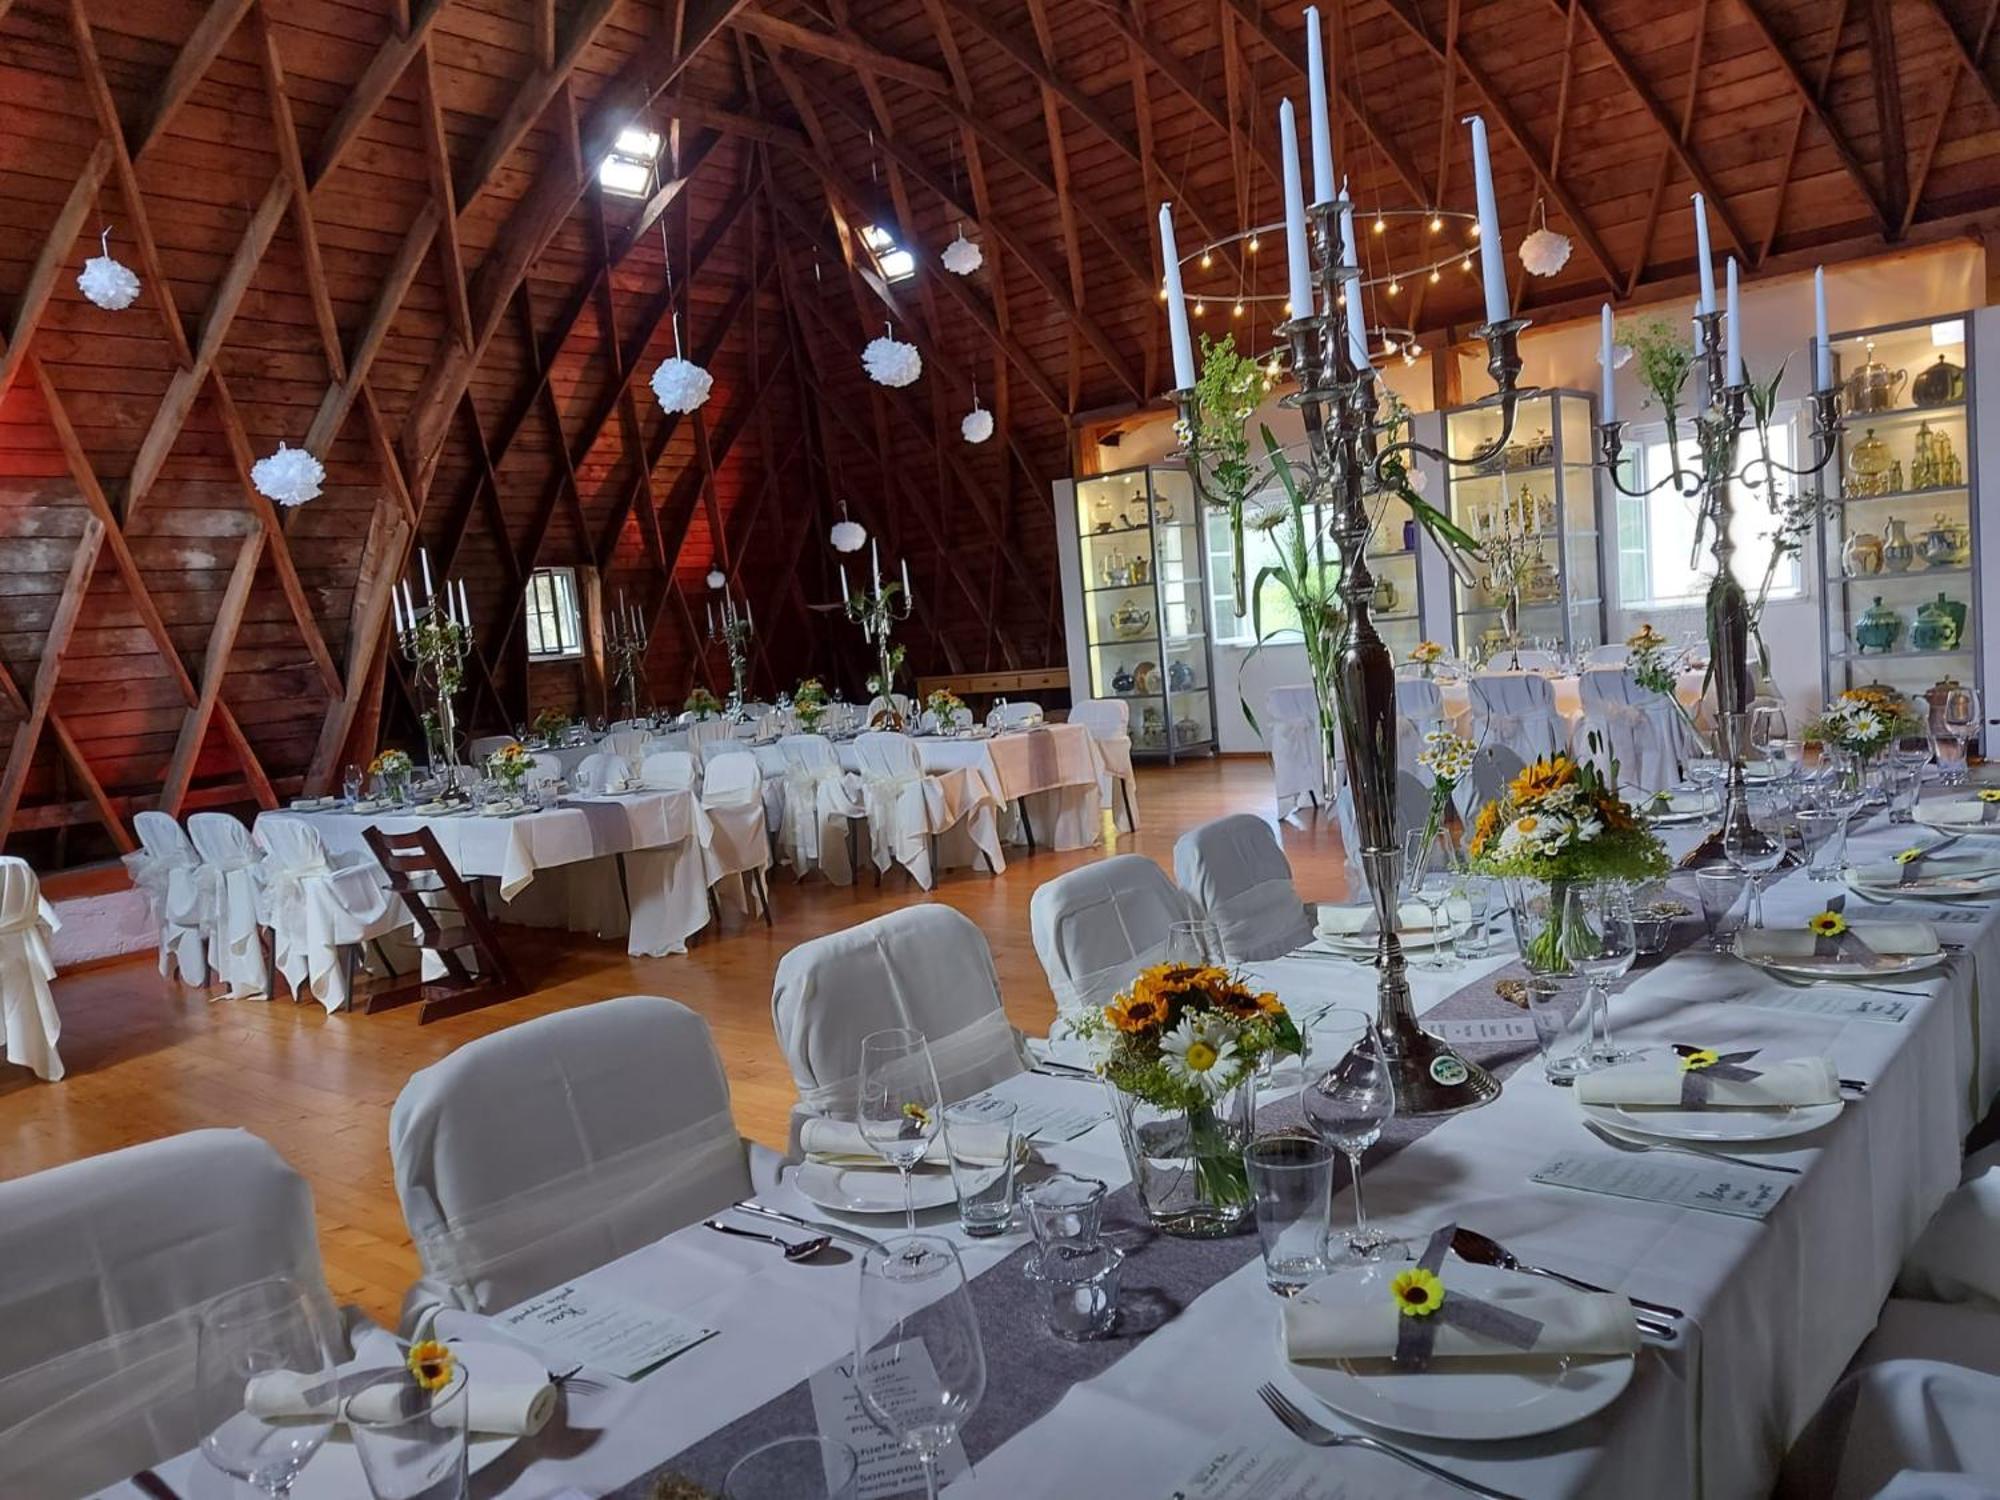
{"x": 1029, "y": 1369}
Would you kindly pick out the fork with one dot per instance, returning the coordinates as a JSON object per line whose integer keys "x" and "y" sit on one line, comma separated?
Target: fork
{"x": 1619, "y": 1143}
{"x": 1306, "y": 1430}
{"x": 1852, "y": 984}
{"x": 573, "y": 1379}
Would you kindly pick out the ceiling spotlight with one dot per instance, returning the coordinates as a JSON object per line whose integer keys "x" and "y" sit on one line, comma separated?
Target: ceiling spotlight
{"x": 1236, "y": 311}
{"x": 1252, "y": 247}
{"x": 1437, "y": 223}
{"x": 1163, "y": 294}
{"x": 1288, "y": 307}
{"x": 1388, "y": 346}
{"x": 1381, "y": 224}
{"x": 1207, "y": 260}
{"x": 1340, "y": 299}
{"x": 1273, "y": 369}
{"x": 1415, "y": 350}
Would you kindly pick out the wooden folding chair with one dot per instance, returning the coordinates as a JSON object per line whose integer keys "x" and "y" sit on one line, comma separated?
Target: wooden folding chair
{"x": 419, "y": 873}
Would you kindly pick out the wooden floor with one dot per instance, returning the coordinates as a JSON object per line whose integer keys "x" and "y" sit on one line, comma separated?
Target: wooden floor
{"x": 147, "y": 1058}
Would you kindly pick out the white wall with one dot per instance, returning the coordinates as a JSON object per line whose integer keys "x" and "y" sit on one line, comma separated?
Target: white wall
{"x": 1778, "y": 315}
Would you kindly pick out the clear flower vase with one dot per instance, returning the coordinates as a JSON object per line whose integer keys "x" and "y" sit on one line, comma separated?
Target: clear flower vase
{"x": 1187, "y": 1165}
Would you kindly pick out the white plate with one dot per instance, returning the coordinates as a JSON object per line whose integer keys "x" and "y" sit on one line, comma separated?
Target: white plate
{"x": 1468, "y": 1400}
{"x": 334, "y": 1473}
{"x": 1928, "y": 885}
{"x": 1887, "y": 966}
{"x": 1927, "y": 814}
{"x": 871, "y": 1190}
{"x": 1712, "y": 1124}
{"x": 1364, "y": 943}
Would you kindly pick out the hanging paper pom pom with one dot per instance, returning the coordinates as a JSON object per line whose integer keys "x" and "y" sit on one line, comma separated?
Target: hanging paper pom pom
{"x": 890, "y": 362}
{"x": 1621, "y": 356}
{"x": 681, "y": 384}
{"x": 107, "y": 282}
{"x": 715, "y": 578}
{"x": 291, "y": 476}
{"x": 961, "y": 257}
{"x": 847, "y": 536}
{"x": 978, "y": 425}
{"x": 1544, "y": 252}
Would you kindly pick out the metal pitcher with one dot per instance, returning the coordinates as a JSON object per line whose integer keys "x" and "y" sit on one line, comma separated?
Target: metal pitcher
{"x": 1873, "y": 387}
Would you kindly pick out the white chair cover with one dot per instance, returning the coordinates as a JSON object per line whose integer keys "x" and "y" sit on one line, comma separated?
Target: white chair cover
{"x": 1608, "y": 656}
{"x": 1235, "y": 873}
{"x": 628, "y": 744}
{"x": 531, "y": 1155}
{"x": 546, "y": 767}
{"x": 1109, "y": 721}
{"x": 1910, "y": 1427}
{"x": 1493, "y": 766}
{"x": 899, "y": 701}
{"x": 706, "y": 733}
{"x": 1096, "y": 927}
{"x": 168, "y": 870}
{"x": 908, "y": 807}
{"x": 602, "y": 772}
{"x": 819, "y": 800}
{"x": 925, "y": 967}
{"x": 486, "y": 744}
{"x": 26, "y": 968}
{"x": 738, "y": 842}
{"x": 930, "y": 723}
{"x": 1015, "y": 715}
{"x": 1517, "y": 710}
{"x": 667, "y": 771}
{"x": 104, "y": 1266}
{"x": 1419, "y": 710}
{"x": 1291, "y": 729}
{"x": 317, "y": 904}
{"x": 1527, "y": 659}
{"x": 1634, "y": 725}
{"x": 230, "y": 862}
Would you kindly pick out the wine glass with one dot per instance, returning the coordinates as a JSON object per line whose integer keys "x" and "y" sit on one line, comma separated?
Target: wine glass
{"x": 264, "y": 1382}
{"x": 1958, "y": 715}
{"x": 900, "y": 1109}
{"x": 1436, "y": 891}
{"x": 1756, "y": 847}
{"x": 1349, "y": 1104}
{"x": 1769, "y": 729}
{"x": 1195, "y": 943}
{"x": 919, "y": 1364}
{"x": 350, "y": 784}
{"x": 1599, "y": 941}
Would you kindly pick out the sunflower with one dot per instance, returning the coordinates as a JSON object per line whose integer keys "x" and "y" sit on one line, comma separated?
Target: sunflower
{"x": 1418, "y": 1292}
{"x": 1909, "y": 856}
{"x": 1139, "y": 1011}
{"x": 1541, "y": 778}
{"x": 431, "y": 1363}
{"x": 1701, "y": 1057}
{"x": 1827, "y": 924}
{"x": 1485, "y": 826}
{"x": 1990, "y": 794}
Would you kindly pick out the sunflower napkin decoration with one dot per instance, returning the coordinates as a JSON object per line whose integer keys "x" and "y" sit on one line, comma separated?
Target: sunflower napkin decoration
{"x": 1833, "y": 938}
{"x": 1702, "y": 1066}
{"x": 1426, "y": 1304}
{"x": 1989, "y": 804}
{"x": 1908, "y": 861}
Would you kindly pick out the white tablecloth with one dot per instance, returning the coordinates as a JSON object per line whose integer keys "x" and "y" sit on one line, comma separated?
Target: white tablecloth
{"x": 1775, "y": 1308}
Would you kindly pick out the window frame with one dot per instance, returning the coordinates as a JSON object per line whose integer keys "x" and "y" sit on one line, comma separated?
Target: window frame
{"x": 562, "y": 582}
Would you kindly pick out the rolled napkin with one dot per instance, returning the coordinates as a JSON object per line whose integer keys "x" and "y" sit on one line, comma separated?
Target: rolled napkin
{"x": 1677, "y": 802}
{"x": 839, "y": 1143}
{"x": 1898, "y": 939}
{"x": 1955, "y": 865}
{"x": 1971, "y": 813}
{"x": 1359, "y": 921}
{"x": 1662, "y": 1083}
{"x": 1572, "y": 1323}
{"x": 508, "y": 1392}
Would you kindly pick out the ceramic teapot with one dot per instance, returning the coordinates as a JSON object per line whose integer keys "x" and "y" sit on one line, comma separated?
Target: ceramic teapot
{"x": 1873, "y": 387}
{"x": 1940, "y": 544}
{"x": 1386, "y": 595}
{"x": 1868, "y": 466}
{"x": 1935, "y": 628}
{"x": 1122, "y": 681}
{"x": 1180, "y": 676}
{"x": 1130, "y": 621}
{"x": 1943, "y": 384}
{"x": 1877, "y": 628}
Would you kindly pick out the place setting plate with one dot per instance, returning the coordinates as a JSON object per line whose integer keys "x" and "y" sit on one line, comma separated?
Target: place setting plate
{"x": 1984, "y": 883}
{"x": 1811, "y": 966}
{"x": 334, "y": 1473}
{"x": 871, "y": 1190}
{"x": 1932, "y": 815}
{"x": 1684, "y": 805}
{"x": 1413, "y": 927}
{"x": 1464, "y": 1400}
{"x": 1643, "y": 1122}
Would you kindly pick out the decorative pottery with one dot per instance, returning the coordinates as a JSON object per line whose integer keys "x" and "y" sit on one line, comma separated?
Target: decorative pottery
{"x": 1410, "y": 535}
{"x": 1187, "y": 732}
{"x": 1386, "y": 595}
{"x": 1861, "y": 555}
{"x": 1163, "y": 508}
{"x": 1877, "y": 628}
{"x": 1935, "y": 628}
{"x": 1897, "y": 550}
{"x": 1934, "y": 695}
{"x": 1142, "y": 567}
{"x": 1943, "y": 384}
{"x": 1180, "y": 676}
{"x": 1540, "y": 586}
{"x": 1542, "y": 450}
{"x": 1868, "y": 466}
{"x": 1873, "y": 387}
{"x": 1146, "y": 677}
{"x": 1122, "y": 680}
{"x": 1940, "y": 544}
{"x": 1129, "y": 621}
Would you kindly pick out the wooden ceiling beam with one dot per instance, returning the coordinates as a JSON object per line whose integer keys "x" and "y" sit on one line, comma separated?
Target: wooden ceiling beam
{"x": 527, "y": 100}
{"x": 385, "y": 69}
{"x": 1798, "y": 132}
{"x": 842, "y": 45}
{"x": 305, "y": 227}
{"x": 204, "y": 44}
{"x": 1887, "y": 78}
{"x": 437, "y": 164}
{"x": 1971, "y": 55}
{"x": 179, "y": 774}
{"x": 1809, "y": 98}
{"x": 1653, "y": 202}
{"x": 1973, "y": 60}
{"x": 36, "y": 708}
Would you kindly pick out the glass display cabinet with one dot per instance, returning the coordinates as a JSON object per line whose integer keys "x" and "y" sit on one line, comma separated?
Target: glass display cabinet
{"x": 1533, "y": 509}
{"x": 1145, "y": 605}
{"x": 1399, "y": 584}
{"x": 1900, "y": 604}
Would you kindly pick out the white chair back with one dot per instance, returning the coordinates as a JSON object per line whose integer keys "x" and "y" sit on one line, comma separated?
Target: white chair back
{"x": 1096, "y": 927}
{"x": 668, "y": 770}
{"x": 27, "y": 1004}
{"x": 1235, "y": 872}
{"x": 1517, "y": 711}
{"x": 809, "y": 752}
{"x": 531, "y": 1155}
{"x": 898, "y": 701}
{"x": 1634, "y": 725}
{"x": 547, "y": 767}
{"x": 732, "y": 781}
{"x": 486, "y": 744}
{"x": 629, "y": 745}
{"x": 1105, "y": 718}
{"x": 1608, "y": 656}
{"x": 1291, "y": 729}
{"x": 704, "y": 733}
{"x": 167, "y": 869}
{"x": 230, "y": 864}
{"x": 602, "y": 771}
{"x": 924, "y": 967}
{"x": 105, "y": 1265}
{"x": 1108, "y": 721}
{"x": 1015, "y": 715}
{"x": 884, "y": 755}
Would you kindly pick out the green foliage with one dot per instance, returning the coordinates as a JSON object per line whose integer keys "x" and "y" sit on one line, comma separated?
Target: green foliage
{"x": 1666, "y": 359}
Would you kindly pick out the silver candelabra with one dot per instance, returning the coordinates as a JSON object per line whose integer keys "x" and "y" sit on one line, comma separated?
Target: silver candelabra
{"x": 625, "y": 642}
{"x": 878, "y": 610}
{"x": 435, "y": 638}
{"x": 738, "y": 628}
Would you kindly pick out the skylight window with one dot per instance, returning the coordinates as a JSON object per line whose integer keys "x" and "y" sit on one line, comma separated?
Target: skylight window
{"x": 897, "y": 263}
{"x": 628, "y": 170}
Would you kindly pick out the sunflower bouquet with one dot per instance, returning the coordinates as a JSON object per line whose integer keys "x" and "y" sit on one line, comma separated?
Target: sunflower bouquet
{"x": 392, "y": 770}
{"x": 946, "y": 709}
{"x": 1655, "y": 668}
{"x": 703, "y": 704}
{"x": 510, "y": 765}
{"x": 550, "y": 725}
{"x": 1561, "y": 821}
{"x": 809, "y": 704}
{"x": 1862, "y": 721}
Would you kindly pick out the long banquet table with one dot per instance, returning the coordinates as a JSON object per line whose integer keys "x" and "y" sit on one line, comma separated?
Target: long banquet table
{"x": 1775, "y": 1308}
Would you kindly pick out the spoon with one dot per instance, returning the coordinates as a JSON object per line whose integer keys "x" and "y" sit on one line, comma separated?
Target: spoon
{"x": 1471, "y": 1245}
{"x": 795, "y": 1250}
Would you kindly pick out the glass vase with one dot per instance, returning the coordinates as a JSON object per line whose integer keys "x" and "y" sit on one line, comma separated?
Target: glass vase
{"x": 1538, "y": 908}
{"x": 1187, "y": 1165}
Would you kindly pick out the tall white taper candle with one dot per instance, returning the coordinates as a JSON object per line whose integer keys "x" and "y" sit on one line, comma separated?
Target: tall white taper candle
{"x": 1322, "y": 128}
{"x": 1492, "y": 255}
{"x": 1732, "y": 333}
{"x": 1822, "y": 348}
{"x": 1298, "y": 256}
{"x": 424, "y": 557}
{"x": 1177, "y": 321}
{"x": 1604, "y": 351}
{"x": 1704, "y": 258}
{"x": 1357, "y": 318}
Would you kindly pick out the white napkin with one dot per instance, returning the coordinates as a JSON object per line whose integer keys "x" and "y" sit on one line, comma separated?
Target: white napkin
{"x": 1967, "y": 814}
{"x": 839, "y": 1143}
{"x": 1957, "y": 1258}
{"x": 1680, "y": 801}
{"x": 1952, "y": 865}
{"x": 1572, "y": 1323}
{"x": 1897, "y": 938}
{"x": 1359, "y": 921}
{"x": 1657, "y": 1082}
{"x": 507, "y": 1391}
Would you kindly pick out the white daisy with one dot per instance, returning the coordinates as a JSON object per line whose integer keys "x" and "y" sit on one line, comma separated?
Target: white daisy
{"x": 1201, "y": 1053}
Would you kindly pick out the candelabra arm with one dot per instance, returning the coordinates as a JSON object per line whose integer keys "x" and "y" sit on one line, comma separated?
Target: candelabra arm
{"x": 1503, "y": 363}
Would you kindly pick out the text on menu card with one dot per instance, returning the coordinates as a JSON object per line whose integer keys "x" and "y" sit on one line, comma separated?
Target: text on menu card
{"x": 886, "y": 1466}
{"x": 1721, "y": 1190}
{"x": 601, "y": 1329}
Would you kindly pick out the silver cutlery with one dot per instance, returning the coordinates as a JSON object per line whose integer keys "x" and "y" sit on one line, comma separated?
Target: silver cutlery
{"x": 758, "y": 1210}
{"x": 1619, "y": 1143}
{"x": 1856, "y": 1086}
{"x": 1798, "y": 983}
{"x": 1471, "y": 1245}
{"x": 1306, "y": 1430}
{"x": 573, "y": 1379}
{"x": 1054, "y": 1069}
{"x": 795, "y": 1250}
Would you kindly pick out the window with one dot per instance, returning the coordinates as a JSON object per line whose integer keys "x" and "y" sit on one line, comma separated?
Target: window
{"x": 1260, "y": 549}
{"x": 628, "y": 170}
{"x": 553, "y": 628}
{"x": 897, "y": 263}
{"x": 1655, "y": 534}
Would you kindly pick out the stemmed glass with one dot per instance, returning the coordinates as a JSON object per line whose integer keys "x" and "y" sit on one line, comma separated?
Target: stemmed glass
{"x": 900, "y": 1109}
{"x": 1958, "y": 715}
{"x": 1436, "y": 893}
{"x": 919, "y": 1364}
{"x": 1769, "y": 729}
{"x": 1194, "y": 943}
{"x": 1349, "y": 1104}
{"x": 1599, "y": 941}
{"x": 350, "y": 785}
{"x": 1756, "y": 848}
{"x": 259, "y": 1351}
